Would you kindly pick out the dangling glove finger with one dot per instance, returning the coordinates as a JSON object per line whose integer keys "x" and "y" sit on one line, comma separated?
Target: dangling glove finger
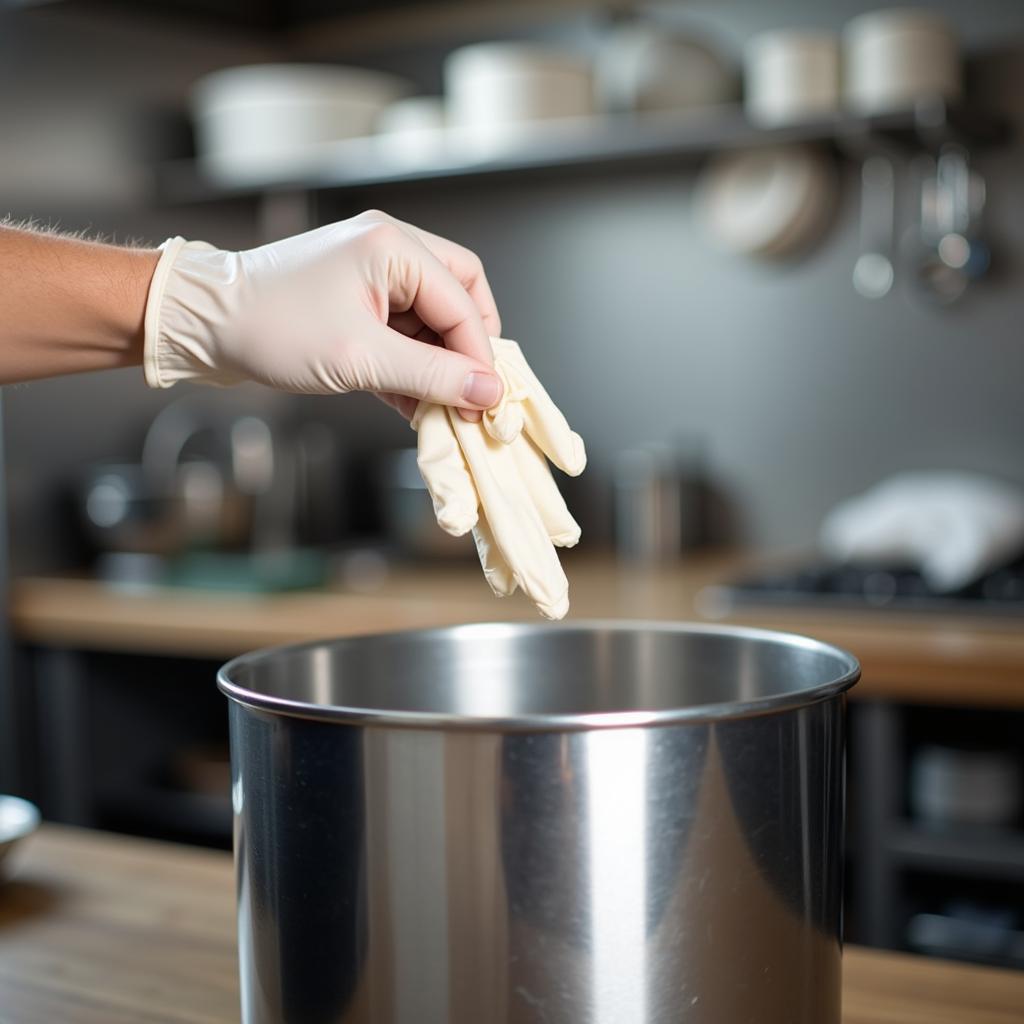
{"x": 497, "y": 571}
{"x": 519, "y": 532}
{"x": 563, "y": 530}
{"x": 453, "y": 492}
{"x": 444, "y": 471}
{"x": 542, "y": 419}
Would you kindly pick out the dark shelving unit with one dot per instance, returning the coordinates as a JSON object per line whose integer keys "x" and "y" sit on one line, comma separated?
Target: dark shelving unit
{"x": 988, "y": 853}
{"x": 903, "y": 867}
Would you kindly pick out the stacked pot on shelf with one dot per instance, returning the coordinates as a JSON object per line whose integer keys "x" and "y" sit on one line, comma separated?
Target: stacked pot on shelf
{"x": 776, "y": 202}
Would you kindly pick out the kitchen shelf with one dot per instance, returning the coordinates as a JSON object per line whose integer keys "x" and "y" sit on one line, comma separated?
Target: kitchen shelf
{"x": 598, "y": 142}
{"x": 982, "y": 852}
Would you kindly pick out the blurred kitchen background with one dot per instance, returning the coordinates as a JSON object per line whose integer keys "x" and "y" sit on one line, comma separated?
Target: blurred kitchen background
{"x": 765, "y": 256}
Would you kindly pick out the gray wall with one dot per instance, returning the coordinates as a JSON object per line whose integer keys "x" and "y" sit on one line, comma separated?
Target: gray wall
{"x": 797, "y": 391}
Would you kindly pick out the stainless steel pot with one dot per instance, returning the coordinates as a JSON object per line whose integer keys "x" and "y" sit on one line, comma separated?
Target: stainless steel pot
{"x": 576, "y": 824}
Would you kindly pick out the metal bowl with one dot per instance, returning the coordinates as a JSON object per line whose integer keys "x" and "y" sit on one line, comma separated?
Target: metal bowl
{"x": 18, "y": 818}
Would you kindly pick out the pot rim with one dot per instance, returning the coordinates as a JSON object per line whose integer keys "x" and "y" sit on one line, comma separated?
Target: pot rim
{"x": 846, "y": 675}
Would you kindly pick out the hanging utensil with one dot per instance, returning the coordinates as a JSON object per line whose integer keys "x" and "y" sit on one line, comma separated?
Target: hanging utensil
{"x": 960, "y": 248}
{"x": 950, "y": 253}
{"x": 873, "y": 273}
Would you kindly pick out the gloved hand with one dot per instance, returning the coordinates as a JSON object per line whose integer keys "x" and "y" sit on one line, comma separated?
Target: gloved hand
{"x": 492, "y": 477}
{"x": 345, "y": 307}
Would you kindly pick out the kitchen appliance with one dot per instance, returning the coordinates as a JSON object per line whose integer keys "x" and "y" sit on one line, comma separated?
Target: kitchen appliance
{"x": 18, "y": 819}
{"x": 170, "y": 501}
{"x": 896, "y": 57}
{"x": 604, "y": 822}
{"x": 791, "y": 76}
{"x": 267, "y": 120}
{"x": 657, "y": 512}
{"x": 866, "y": 588}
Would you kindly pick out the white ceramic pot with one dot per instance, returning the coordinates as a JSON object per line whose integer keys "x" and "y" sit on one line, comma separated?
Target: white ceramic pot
{"x": 894, "y": 58}
{"x": 267, "y": 120}
{"x": 412, "y": 130}
{"x": 647, "y": 68}
{"x": 495, "y": 89}
{"x": 791, "y": 76}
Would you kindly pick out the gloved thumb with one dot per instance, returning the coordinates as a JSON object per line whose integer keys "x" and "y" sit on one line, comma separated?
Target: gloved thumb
{"x": 405, "y": 366}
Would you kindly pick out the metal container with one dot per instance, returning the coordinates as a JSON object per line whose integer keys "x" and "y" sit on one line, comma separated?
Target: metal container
{"x": 407, "y": 512}
{"x": 511, "y": 824}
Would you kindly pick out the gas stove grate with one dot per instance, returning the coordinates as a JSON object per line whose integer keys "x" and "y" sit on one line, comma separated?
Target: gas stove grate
{"x": 867, "y": 588}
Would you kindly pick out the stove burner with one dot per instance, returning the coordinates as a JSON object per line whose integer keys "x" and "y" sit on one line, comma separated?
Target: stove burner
{"x": 867, "y": 587}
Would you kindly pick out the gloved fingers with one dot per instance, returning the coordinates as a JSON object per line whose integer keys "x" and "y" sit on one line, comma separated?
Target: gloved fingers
{"x": 409, "y": 324}
{"x": 464, "y": 264}
{"x": 543, "y": 420}
{"x": 563, "y": 530}
{"x": 564, "y": 447}
{"x": 550, "y": 431}
{"x": 497, "y": 571}
{"x": 391, "y": 362}
{"x": 519, "y": 533}
{"x": 444, "y": 470}
{"x": 469, "y": 270}
{"x": 417, "y": 280}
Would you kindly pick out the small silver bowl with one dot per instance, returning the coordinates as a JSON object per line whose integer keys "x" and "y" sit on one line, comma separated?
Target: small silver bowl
{"x": 18, "y": 818}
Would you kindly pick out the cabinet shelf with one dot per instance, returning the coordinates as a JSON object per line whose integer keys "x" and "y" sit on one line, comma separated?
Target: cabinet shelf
{"x": 979, "y": 852}
{"x": 622, "y": 140}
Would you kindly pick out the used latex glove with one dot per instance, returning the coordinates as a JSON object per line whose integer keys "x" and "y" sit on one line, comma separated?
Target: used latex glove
{"x": 952, "y": 527}
{"x": 492, "y": 478}
{"x": 345, "y": 307}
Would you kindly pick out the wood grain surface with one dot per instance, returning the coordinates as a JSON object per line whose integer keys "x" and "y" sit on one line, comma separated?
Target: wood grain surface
{"x": 102, "y": 929}
{"x": 974, "y": 661}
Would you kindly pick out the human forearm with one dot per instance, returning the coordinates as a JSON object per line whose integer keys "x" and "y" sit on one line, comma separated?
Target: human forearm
{"x": 367, "y": 304}
{"x": 69, "y": 306}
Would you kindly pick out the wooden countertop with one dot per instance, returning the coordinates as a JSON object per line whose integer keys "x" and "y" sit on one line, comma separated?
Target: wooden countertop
{"x": 102, "y": 929}
{"x": 910, "y": 657}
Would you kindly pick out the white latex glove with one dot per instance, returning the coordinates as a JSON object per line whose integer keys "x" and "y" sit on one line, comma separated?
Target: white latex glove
{"x": 345, "y": 307}
{"x": 492, "y": 477}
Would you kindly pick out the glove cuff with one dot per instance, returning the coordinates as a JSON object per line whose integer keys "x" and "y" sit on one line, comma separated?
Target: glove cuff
{"x": 150, "y": 351}
{"x": 186, "y": 299}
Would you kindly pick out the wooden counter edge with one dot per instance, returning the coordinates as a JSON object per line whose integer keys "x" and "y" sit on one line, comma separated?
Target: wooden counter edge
{"x": 111, "y": 891}
{"x": 906, "y": 658}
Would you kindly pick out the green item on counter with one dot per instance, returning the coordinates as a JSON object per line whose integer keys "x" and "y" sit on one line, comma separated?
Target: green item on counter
{"x": 245, "y": 572}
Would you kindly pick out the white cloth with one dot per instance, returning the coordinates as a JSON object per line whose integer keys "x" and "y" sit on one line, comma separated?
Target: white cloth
{"x": 951, "y": 527}
{"x": 492, "y": 477}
